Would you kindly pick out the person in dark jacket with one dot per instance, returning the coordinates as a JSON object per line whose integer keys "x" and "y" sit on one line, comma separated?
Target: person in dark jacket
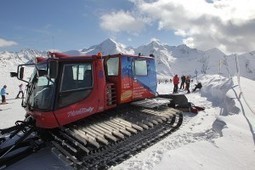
{"x": 182, "y": 81}
{"x": 197, "y": 86}
{"x": 176, "y": 83}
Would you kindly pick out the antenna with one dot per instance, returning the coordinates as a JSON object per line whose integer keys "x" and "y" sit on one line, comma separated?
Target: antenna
{"x": 53, "y": 42}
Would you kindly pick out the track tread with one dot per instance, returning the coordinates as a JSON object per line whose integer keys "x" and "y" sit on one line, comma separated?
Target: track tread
{"x": 125, "y": 135}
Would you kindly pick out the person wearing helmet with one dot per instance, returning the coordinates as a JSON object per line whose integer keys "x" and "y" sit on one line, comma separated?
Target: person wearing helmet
{"x": 3, "y": 94}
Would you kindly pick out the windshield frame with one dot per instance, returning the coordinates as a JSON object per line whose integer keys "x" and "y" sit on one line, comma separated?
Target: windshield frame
{"x": 40, "y": 89}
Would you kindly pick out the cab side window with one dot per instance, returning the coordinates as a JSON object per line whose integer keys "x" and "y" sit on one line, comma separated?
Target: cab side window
{"x": 76, "y": 76}
{"x": 140, "y": 68}
{"x": 76, "y": 83}
{"x": 113, "y": 66}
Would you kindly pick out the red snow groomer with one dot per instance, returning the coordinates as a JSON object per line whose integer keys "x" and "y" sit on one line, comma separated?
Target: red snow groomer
{"x": 84, "y": 106}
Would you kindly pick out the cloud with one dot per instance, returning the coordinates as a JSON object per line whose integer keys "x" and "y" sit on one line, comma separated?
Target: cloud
{"x": 225, "y": 24}
{"x": 6, "y": 43}
{"x": 121, "y": 21}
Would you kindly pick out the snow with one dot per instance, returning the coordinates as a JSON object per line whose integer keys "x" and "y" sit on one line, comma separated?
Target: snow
{"x": 213, "y": 139}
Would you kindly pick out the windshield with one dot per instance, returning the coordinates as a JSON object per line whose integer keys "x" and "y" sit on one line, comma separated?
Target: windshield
{"x": 40, "y": 90}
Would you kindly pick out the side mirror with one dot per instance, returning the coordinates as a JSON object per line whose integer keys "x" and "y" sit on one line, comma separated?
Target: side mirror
{"x": 21, "y": 73}
{"x": 14, "y": 74}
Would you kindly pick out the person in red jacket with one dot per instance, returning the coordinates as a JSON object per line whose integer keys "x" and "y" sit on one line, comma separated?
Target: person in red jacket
{"x": 176, "y": 83}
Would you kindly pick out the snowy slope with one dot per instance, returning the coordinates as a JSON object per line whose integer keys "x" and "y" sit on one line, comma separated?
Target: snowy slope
{"x": 23, "y": 56}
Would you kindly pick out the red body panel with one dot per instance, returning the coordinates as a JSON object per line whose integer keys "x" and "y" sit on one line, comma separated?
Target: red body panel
{"x": 94, "y": 103}
{"x": 107, "y": 91}
{"x": 44, "y": 119}
{"x": 78, "y": 110}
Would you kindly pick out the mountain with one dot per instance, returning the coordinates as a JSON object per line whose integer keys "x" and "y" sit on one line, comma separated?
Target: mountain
{"x": 163, "y": 56}
{"x": 14, "y": 58}
{"x": 107, "y": 47}
{"x": 170, "y": 60}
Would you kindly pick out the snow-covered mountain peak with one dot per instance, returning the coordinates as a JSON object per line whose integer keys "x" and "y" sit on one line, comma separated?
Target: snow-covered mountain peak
{"x": 184, "y": 49}
{"x": 4, "y": 53}
{"x": 155, "y": 43}
{"x": 215, "y": 51}
{"x": 183, "y": 46}
{"x": 108, "y": 46}
{"x": 30, "y": 54}
{"x": 23, "y": 56}
{"x": 152, "y": 48}
{"x": 109, "y": 42}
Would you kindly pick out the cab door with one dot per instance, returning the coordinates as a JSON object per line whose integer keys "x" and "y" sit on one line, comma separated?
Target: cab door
{"x": 126, "y": 79}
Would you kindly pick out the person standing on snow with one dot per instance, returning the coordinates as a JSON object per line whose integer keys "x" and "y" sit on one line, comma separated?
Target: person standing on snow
{"x": 176, "y": 83}
{"x": 187, "y": 83}
{"x": 20, "y": 91}
{"x": 182, "y": 81}
{"x": 3, "y": 94}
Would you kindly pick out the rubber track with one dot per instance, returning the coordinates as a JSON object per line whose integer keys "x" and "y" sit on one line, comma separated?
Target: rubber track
{"x": 106, "y": 155}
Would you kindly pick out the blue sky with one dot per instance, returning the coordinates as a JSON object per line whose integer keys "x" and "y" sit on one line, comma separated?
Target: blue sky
{"x": 65, "y": 25}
